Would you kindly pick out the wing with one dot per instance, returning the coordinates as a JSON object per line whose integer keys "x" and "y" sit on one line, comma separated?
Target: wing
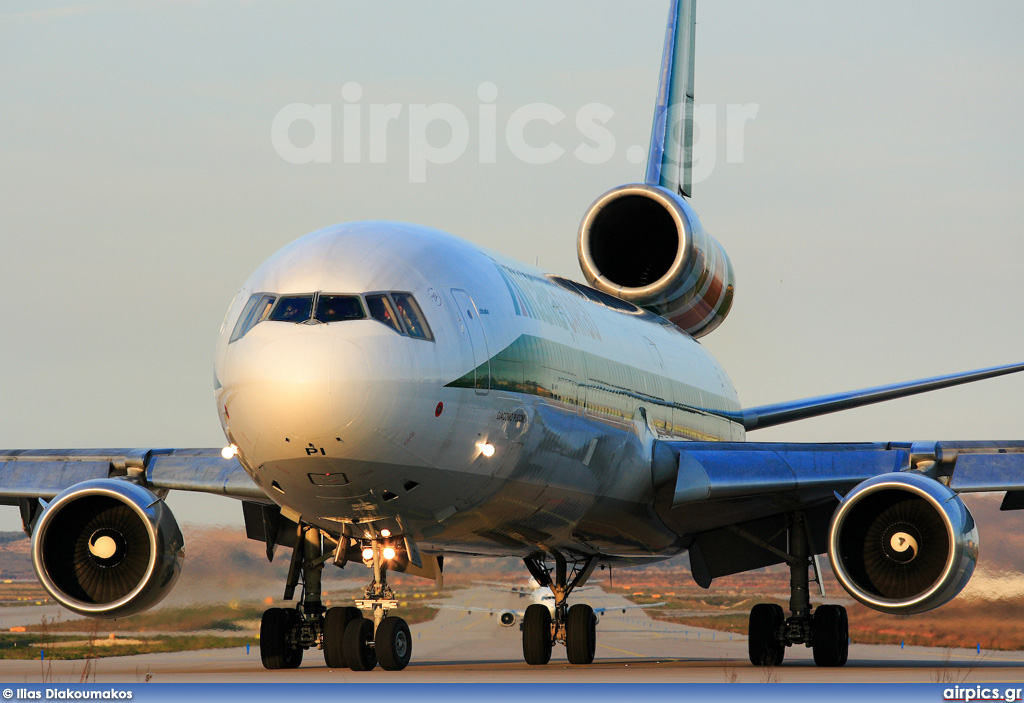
{"x": 624, "y": 608}
{"x": 507, "y": 587}
{"x": 121, "y": 549}
{"x": 28, "y": 476}
{"x": 477, "y": 609}
{"x": 780, "y": 413}
{"x": 519, "y": 613}
{"x": 734, "y": 502}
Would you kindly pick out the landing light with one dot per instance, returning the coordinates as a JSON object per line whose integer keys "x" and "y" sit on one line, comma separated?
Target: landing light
{"x": 388, "y": 553}
{"x": 368, "y": 554}
{"x": 229, "y": 451}
{"x": 487, "y": 449}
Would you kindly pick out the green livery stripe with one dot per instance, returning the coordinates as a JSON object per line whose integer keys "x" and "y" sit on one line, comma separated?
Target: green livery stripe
{"x": 609, "y": 389}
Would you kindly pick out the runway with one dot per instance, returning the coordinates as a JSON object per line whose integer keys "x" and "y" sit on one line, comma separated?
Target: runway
{"x": 461, "y": 647}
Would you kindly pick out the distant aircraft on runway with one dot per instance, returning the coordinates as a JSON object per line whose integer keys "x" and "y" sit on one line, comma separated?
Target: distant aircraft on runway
{"x": 507, "y": 617}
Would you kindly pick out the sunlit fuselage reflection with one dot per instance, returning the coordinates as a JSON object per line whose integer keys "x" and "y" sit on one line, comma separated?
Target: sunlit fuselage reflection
{"x": 516, "y": 413}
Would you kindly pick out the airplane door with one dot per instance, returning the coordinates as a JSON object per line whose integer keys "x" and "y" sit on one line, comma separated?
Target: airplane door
{"x": 470, "y": 318}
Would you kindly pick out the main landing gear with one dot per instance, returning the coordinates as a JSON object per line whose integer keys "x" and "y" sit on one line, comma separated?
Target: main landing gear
{"x": 575, "y": 627}
{"x": 347, "y": 638}
{"x": 825, "y": 631}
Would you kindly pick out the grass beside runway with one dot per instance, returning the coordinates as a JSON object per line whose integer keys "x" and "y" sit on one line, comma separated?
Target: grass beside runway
{"x": 991, "y": 624}
{"x": 33, "y": 647}
{"x": 163, "y": 630}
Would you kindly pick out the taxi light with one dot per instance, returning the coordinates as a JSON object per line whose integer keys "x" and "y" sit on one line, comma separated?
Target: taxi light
{"x": 385, "y": 533}
{"x": 229, "y": 451}
{"x": 368, "y": 554}
{"x": 389, "y": 553}
{"x": 487, "y": 449}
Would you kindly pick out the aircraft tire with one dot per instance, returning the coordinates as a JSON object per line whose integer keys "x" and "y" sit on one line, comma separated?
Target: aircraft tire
{"x": 537, "y": 635}
{"x": 831, "y": 632}
{"x": 359, "y": 655}
{"x": 844, "y": 646}
{"x": 763, "y": 645}
{"x": 581, "y": 634}
{"x": 393, "y": 644}
{"x": 335, "y": 622}
{"x": 275, "y": 652}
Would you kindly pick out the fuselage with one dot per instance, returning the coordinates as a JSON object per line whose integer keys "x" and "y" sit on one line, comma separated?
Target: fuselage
{"x": 469, "y": 401}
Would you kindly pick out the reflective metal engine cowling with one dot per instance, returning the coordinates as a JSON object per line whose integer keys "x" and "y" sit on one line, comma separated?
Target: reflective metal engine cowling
{"x": 903, "y": 543}
{"x": 645, "y": 244}
{"x": 107, "y": 548}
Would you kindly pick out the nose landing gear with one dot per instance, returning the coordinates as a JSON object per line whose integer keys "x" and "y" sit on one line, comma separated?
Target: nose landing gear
{"x": 385, "y": 639}
{"x": 348, "y": 639}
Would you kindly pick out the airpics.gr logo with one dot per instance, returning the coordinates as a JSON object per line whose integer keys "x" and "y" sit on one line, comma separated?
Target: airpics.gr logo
{"x": 443, "y": 133}
{"x": 981, "y": 693}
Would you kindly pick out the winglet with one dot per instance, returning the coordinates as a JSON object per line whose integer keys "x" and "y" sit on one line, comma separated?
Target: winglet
{"x": 670, "y": 157}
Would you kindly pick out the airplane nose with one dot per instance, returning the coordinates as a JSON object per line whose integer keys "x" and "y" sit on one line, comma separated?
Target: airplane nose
{"x": 308, "y": 383}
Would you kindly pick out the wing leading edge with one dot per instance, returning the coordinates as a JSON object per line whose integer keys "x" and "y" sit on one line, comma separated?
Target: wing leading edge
{"x": 27, "y": 476}
{"x": 790, "y": 411}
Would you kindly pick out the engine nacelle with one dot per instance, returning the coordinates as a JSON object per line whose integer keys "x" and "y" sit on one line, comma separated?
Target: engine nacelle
{"x": 107, "y": 548}
{"x": 645, "y": 244}
{"x": 903, "y": 543}
{"x": 506, "y": 618}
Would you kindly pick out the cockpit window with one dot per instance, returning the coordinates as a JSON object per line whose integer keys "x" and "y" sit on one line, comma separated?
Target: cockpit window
{"x": 293, "y": 308}
{"x": 410, "y": 313}
{"x": 334, "y": 308}
{"x": 255, "y": 310}
{"x": 381, "y": 311}
{"x": 397, "y": 310}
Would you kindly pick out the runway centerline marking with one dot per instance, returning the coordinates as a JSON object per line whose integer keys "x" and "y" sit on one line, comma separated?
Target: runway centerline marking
{"x": 622, "y": 651}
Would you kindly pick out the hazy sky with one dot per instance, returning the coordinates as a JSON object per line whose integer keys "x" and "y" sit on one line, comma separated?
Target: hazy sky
{"x": 873, "y": 220}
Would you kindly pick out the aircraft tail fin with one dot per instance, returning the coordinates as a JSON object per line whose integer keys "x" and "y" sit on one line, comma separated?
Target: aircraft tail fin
{"x": 670, "y": 157}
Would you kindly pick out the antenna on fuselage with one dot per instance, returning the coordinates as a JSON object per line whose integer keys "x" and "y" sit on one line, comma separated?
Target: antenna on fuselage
{"x": 670, "y": 159}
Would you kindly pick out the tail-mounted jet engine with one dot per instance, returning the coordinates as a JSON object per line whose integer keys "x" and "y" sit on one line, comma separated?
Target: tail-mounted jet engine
{"x": 903, "y": 543}
{"x": 107, "y": 548}
{"x": 645, "y": 244}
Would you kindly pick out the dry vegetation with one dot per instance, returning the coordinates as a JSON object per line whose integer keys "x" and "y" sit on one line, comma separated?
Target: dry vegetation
{"x": 964, "y": 623}
{"x": 56, "y": 648}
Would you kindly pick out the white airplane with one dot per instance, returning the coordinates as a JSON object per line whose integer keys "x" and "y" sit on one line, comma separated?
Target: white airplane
{"x": 543, "y": 595}
{"x": 392, "y": 394}
{"x": 530, "y": 588}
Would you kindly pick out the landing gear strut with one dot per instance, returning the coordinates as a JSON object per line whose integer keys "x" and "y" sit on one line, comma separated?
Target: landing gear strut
{"x": 826, "y": 630}
{"x": 286, "y": 632}
{"x": 346, "y": 637}
{"x": 385, "y": 639}
{"x": 574, "y": 627}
